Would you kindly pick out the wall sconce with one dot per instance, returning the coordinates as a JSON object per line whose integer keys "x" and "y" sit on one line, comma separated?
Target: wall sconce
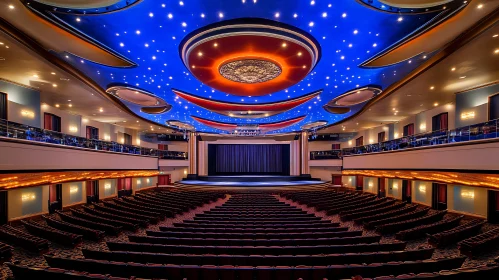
{"x": 396, "y": 135}
{"x": 370, "y": 185}
{"x": 107, "y": 186}
{"x": 107, "y": 137}
{"x": 467, "y": 115}
{"x": 73, "y": 129}
{"x": 422, "y": 126}
{"x": 185, "y": 171}
{"x": 73, "y": 189}
{"x": 28, "y": 114}
{"x": 349, "y": 180}
{"x": 138, "y": 141}
{"x": 422, "y": 189}
{"x": 28, "y": 197}
{"x": 350, "y": 142}
{"x": 139, "y": 182}
{"x": 148, "y": 180}
{"x": 371, "y": 141}
{"x": 395, "y": 186}
{"x": 122, "y": 140}
{"x": 85, "y": 120}
{"x": 467, "y": 194}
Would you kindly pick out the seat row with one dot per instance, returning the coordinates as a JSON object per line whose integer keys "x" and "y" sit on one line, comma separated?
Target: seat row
{"x": 255, "y": 250}
{"x": 463, "y": 231}
{"x": 52, "y": 234}
{"x": 180, "y": 228}
{"x": 260, "y": 260}
{"x": 479, "y": 243}
{"x": 87, "y": 233}
{"x": 254, "y": 236}
{"x": 212, "y": 272}
{"x": 5, "y": 251}
{"x": 22, "y": 239}
{"x": 411, "y": 223}
{"x": 423, "y": 230}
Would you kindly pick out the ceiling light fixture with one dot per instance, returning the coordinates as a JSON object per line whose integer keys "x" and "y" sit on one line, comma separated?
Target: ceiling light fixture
{"x": 101, "y": 110}
{"x": 57, "y": 105}
{"x": 435, "y": 104}
{"x": 11, "y": 7}
{"x": 299, "y": 54}
{"x": 432, "y": 87}
{"x": 284, "y": 45}
{"x": 453, "y": 69}
{"x": 480, "y": 6}
{"x": 495, "y": 35}
{"x": 70, "y": 105}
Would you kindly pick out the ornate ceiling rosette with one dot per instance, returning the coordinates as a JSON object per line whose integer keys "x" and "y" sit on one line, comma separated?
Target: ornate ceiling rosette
{"x": 249, "y": 56}
{"x": 135, "y": 97}
{"x": 245, "y": 110}
{"x": 261, "y": 128}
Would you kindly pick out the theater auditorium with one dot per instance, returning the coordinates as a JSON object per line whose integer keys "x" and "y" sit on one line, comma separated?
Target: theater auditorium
{"x": 249, "y": 139}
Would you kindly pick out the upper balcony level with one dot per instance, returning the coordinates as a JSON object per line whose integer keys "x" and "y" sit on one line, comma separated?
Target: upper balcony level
{"x": 24, "y": 147}
{"x": 473, "y": 147}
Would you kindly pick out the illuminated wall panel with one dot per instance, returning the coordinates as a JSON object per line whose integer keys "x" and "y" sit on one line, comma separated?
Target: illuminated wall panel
{"x": 27, "y": 202}
{"x": 394, "y": 188}
{"x": 421, "y": 192}
{"x": 371, "y": 184}
{"x": 467, "y": 199}
{"x": 108, "y": 188}
{"x": 73, "y": 193}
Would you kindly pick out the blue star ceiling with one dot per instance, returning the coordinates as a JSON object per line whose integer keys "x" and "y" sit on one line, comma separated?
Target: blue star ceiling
{"x": 148, "y": 34}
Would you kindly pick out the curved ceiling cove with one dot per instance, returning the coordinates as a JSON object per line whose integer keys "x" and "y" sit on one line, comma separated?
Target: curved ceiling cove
{"x": 85, "y": 7}
{"x": 249, "y": 56}
{"x": 249, "y": 129}
{"x": 246, "y": 63}
{"x": 355, "y": 97}
{"x": 135, "y": 97}
{"x": 314, "y": 125}
{"x": 180, "y": 125}
{"x": 410, "y": 6}
{"x": 246, "y": 110}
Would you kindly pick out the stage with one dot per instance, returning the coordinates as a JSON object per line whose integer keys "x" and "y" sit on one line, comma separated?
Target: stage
{"x": 251, "y": 181}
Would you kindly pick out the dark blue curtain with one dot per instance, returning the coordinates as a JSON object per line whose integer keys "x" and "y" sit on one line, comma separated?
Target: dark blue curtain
{"x": 243, "y": 159}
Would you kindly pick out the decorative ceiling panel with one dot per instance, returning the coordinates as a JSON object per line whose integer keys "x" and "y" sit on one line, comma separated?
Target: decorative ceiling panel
{"x": 249, "y": 52}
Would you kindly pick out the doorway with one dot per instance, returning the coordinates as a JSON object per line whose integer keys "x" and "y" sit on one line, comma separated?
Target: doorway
{"x": 406, "y": 191}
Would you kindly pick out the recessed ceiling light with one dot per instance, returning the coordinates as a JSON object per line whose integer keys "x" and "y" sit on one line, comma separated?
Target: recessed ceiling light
{"x": 299, "y": 54}
{"x": 435, "y": 104}
{"x": 69, "y": 100}
{"x": 57, "y": 105}
{"x": 11, "y": 7}
{"x": 70, "y": 105}
{"x": 496, "y": 51}
{"x": 215, "y": 45}
{"x": 53, "y": 73}
{"x": 479, "y": 6}
{"x": 304, "y": 66}
{"x": 453, "y": 69}
{"x": 101, "y": 110}
{"x": 284, "y": 45}
{"x": 1, "y": 43}
{"x": 495, "y": 35}
{"x": 432, "y": 87}
{"x": 54, "y": 85}
{"x": 35, "y": 76}
{"x": 200, "y": 54}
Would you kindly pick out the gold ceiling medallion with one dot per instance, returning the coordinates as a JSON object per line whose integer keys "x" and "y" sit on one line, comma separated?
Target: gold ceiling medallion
{"x": 250, "y": 71}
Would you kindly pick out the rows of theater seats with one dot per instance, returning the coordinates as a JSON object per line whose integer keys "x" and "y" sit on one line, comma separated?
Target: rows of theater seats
{"x": 407, "y": 222}
{"x": 252, "y": 236}
{"x": 94, "y": 222}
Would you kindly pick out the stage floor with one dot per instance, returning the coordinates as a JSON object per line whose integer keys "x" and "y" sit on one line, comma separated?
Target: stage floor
{"x": 251, "y": 183}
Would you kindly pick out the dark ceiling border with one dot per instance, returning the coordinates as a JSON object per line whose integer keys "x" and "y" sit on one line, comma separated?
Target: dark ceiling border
{"x": 50, "y": 57}
{"x": 471, "y": 33}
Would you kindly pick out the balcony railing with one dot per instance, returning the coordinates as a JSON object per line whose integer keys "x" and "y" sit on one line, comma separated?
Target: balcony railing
{"x": 332, "y": 154}
{"x": 486, "y": 130}
{"x": 26, "y": 132}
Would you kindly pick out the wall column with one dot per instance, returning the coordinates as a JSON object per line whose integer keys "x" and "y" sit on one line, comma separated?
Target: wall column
{"x": 192, "y": 149}
{"x": 305, "y": 155}
{"x": 295, "y": 163}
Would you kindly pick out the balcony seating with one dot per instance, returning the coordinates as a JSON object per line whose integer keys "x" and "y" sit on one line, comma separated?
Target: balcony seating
{"x": 52, "y": 234}
{"x": 467, "y": 229}
{"x": 109, "y": 229}
{"x": 148, "y": 219}
{"x": 258, "y": 250}
{"x": 208, "y": 272}
{"x": 118, "y": 217}
{"x": 421, "y": 231}
{"x": 411, "y": 215}
{"x": 479, "y": 243}
{"x": 383, "y": 215}
{"x": 403, "y": 225}
{"x": 5, "y": 251}
{"x": 258, "y": 260}
{"x": 250, "y": 242}
{"x": 140, "y": 207}
{"x": 25, "y": 240}
{"x": 87, "y": 233}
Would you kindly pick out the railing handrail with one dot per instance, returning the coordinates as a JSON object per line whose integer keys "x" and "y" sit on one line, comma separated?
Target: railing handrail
{"x": 448, "y": 134}
{"x": 62, "y": 137}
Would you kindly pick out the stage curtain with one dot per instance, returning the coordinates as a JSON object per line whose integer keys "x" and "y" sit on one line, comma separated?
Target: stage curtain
{"x": 249, "y": 159}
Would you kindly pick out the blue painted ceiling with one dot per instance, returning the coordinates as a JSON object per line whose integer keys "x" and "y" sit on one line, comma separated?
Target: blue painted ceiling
{"x": 149, "y": 32}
